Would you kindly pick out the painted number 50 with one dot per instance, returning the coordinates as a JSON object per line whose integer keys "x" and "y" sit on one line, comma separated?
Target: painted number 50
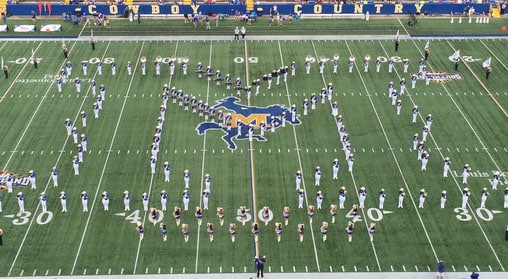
{"x": 240, "y": 60}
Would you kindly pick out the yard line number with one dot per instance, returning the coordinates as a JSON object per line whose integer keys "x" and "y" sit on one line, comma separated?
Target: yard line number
{"x": 464, "y": 215}
{"x": 22, "y": 218}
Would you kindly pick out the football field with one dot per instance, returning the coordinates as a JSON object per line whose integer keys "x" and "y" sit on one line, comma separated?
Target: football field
{"x": 255, "y": 171}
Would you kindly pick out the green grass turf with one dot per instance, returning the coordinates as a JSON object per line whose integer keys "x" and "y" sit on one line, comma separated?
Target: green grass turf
{"x": 467, "y": 121}
{"x": 427, "y": 26}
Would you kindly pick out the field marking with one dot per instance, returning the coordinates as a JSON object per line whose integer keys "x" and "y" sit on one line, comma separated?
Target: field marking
{"x": 494, "y": 54}
{"x": 486, "y": 150}
{"x": 201, "y": 178}
{"x": 105, "y": 165}
{"x": 352, "y": 176}
{"x": 251, "y": 156}
{"x": 300, "y": 166}
{"x": 58, "y": 160}
{"x": 395, "y": 158}
{"x": 480, "y": 82}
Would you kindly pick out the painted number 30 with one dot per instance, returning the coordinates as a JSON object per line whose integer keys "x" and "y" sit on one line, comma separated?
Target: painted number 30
{"x": 240, "y": 60}
{"x": 464, "y": 215}
{"x": 43, "y": 218}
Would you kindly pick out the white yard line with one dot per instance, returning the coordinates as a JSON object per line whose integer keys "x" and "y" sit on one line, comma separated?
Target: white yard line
{"x": 493, "y": 53}
{"x": 203, "y": 165}
{"x": 105, "y": 164}
{"x": 56, "y": 163}
{"x": 472, "y": 212}
{"x": 395, "y": 158}
{"x": 353, "y": 178}
{"x": 300, "y": 164}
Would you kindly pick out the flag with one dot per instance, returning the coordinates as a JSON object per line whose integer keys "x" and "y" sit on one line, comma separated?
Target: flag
{"x": 455, "y": 55}
{"x": 63, "y": 44}
{"x": 427, "y": 45}
{"x": 397, "y": 36}
{"x": 487, "y": 62}
{"x": 91, "y": 33}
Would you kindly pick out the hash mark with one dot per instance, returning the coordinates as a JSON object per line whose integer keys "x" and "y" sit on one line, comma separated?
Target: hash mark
{"x": 343, "y": 270}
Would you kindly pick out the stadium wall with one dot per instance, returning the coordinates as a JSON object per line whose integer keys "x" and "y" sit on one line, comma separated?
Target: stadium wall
{"x": 261, "y": 9}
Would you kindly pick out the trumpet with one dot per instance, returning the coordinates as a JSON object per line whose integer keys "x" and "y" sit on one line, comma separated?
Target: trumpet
{"x": 158, "y": 59}
{"x": 142, "y": 59}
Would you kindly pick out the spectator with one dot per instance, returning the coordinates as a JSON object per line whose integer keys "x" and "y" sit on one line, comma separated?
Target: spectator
{"x": 475, "y": 275}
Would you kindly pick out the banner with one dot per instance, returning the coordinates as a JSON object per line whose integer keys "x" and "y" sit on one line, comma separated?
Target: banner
{"x": 51, "y": 28}
{"x": 24, "y": 28}
{"x": 3, "y": 28}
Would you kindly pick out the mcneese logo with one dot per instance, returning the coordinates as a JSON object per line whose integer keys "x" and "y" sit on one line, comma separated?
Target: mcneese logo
{"x": 442, "y": 77}
{"x": 246, "y": 115}
{"x": 17, "y": 179}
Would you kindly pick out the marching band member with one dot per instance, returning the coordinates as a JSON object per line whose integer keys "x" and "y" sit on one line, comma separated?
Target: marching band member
{"x": 301, "y": 196}
{"x": 185, "y": 232}
{"x": 305, "y": 106}
{"x": 382, "y": 197}
{"x": 218, "y": 77}
{"x": 129, "y": 68}
{"x": 84, "y": 66}
{"x": 399, "y": 106}
{"x": 102, "y": 91}
{"x": 232, "y": 231}
{"x": 444, "y": 196}
{"x": 350, "y": 64}
{"x": 335, "y": 169}
{"x": 362, "y": 195}
{"x": 63, "y": 75}
{"x": 350, "y": 230}
{"x": 84, "y": 142}
{"x": 185, "y": 199}
{"x": 390, "y": 64}
{"x": 255, "y": 231}
{"x": 402, "y": 86}
{"x": 301, "y": 231}
{"x": 186, "y": 178}
{"x": 307, "y": 66}
{"x": 319, "y": 199}
{"x": 278, "y": 231}
{"x": 199, "y": 215}
{"x": 423, "y": 195}
{"x": 425, "y": 132}
{"x": 126, "y": 200}
{"x": 68, "y": 69}
{"x": 164, "y": 232}
{"x": 405, "y": 65}
{"x": 238, "y": 85}
{"x": 43, "y": 200}
{"x": 298, "y": 179}
{"x": 321, "y": 65}
{"x": 324, "y": 230}
{"x": 32, "y": 178}
{"x": 282, "y": 119}
{"x": 77, "y": 82}
{"x": 172, "y": 66}
{"x": 342, "y": 196}
{"x": 372, "y": 231}
{"x": 310, "y": 213}
{"x": 278, "y": 73}
{"x": 220, "y": 214}
{"x": 177, "y": 215}
{"x": 465, "y": 196}
{"x": 414, "y": 113}
{"x": 421, "y": 64}
{"x": 145, "y": 199}
{"x": 262, "y": 128}
{"x": 342, "y": 131}
{"x": 141, "y": 231}
{"x": 68, "y": 126}
{"x": 228, "y": 81}
{"x": 98, "y": 99}
{"x": 286, "y": 214}
{"x": 84, "y": 201}
{"x": 199, "y": 70}
{"x": 164, "y": 200}
{"x": 209, "y": 73}
{"x": 250, "y": 131}
{"x": 157, "y": 68}
{"x": 378, "y": 64}
{"x": 59, "y": 82}
{"x": 335, "y": 109}
{"x": 75, "y": 165}
{"x": 185, "y": 67}
{"x": 113, "y": 68}
{"x": 484, "y": 195}
{"x": 83, "y": 118}
{"x": 80, "y": 153}
{"x": 391, "y": 87}
{"x": 63, "y": 201}
{"x": 266, "y": 214}
{"x": 239, "y": 126}
{"x": 293, "y": 68}
{"x": 323, "y": 93}
{"x": 210, "y": 230}
{"x": 167, "y": 171}
{"x": 395, "y": 95}
{"x": 317, "y": 175}
{"x": 414, "y": 78}
{"x": 208, "y": 181}
{"x": 350, "y": 161}
{"x": 153, "y": 160}
{"x": 466, "y": 173}
{"x": 99, "y": 68}
{"x": 105, "y": 200}
{"x": 293, "y": 113}
{"x": 506, "y": 198}
{"x": 313, "y": 101}
{"x": 206, "y": 196}
{"x": 495, "y": 179}
{"x": 269, "y": 80}
{"x": 401, "y": 198}
{"x": 429, "y": 120}
{"x": 54, "y": 176}
{"x": 425, "y": 160}
{"x": 446, "y": 166}
{"x": 335, "y": 63}
{"x": 420, "y": 148}
{"x": 143, "y": 68}
{"x": 257, "y": 83}
{"x": 366, "y": 61}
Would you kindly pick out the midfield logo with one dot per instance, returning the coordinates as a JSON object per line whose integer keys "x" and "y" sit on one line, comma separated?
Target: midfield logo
{"x": 18, "y": 180}
{"x": 442, "y": 77}
{"x": 247, "y": 115}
